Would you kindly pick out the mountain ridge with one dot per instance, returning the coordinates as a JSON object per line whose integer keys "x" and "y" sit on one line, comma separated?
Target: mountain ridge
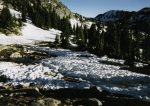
{"x": 115, "y": 15}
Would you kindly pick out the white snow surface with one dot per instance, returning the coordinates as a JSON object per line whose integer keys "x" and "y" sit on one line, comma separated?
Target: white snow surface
{"x": 15, "y": 13}
{"x": 30, "y": 34}
{"x": 83, "y": 66}
{"x": 74, "y": 22}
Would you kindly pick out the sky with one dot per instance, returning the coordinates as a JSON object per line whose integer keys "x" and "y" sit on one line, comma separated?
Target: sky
{"x": 91, "y": 8}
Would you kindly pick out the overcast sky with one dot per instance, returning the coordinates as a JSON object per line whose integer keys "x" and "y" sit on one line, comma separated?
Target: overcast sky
{"x": 91, "y": 8}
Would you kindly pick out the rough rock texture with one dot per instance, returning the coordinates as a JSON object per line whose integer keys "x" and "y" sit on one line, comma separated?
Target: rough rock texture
{"x": 15, "y": 55}
{"x": 46, "y": 102}
{"x": 32, "y": 96}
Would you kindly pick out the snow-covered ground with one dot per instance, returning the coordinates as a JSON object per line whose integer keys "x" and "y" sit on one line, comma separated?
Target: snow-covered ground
{"x": 30, "y": 34}
{"x": 84, "y": 67}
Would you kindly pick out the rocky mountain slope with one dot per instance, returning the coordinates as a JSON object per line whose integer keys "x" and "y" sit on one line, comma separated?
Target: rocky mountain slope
{"x": 135, "y": 19}
{"x": 115, "y": 15}
{"x": 59, "y": 7}
{"x": 112, "y": 15}
{"x": 56, "y": 5}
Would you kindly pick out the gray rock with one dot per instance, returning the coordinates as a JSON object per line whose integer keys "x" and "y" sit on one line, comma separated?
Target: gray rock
{"x": 88, "y": 102}
{"x": 15, "y": 55}
{"x": 94, "y": 100}
{"x": 46, "y": 102}
{"x": 25, "y": 85}
{"x": 52, "y": 102}
{"x": 38, "y": 103}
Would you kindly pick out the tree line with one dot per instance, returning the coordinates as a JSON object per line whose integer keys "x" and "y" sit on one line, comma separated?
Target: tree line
{"x": 119, "y": 40}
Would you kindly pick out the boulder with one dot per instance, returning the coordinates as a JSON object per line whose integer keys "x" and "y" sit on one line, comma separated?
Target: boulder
{"x": 88, "y": 102}
{"x": 46, "y": 102}
{"x": 50, "y": 73}
{"x": 15, "y": 55}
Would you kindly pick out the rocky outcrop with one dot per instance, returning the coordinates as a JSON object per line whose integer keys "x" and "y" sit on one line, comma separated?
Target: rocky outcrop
{"x": 15, "y": 55}
{"x": 46, "y": 102}
{"x": 20, "y": 54}
{"x": 32, "y": 96}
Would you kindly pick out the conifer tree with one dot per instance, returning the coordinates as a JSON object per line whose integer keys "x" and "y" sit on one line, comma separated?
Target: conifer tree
{"x": 57, "y": 41}
{"x": 6, "y": 19}
{"x": 81, "y": 38}
{"x": 91, "y": 37}
{"x": 85, "y": 32}
{"x": 66, "y": 32}
{"x": 146, "y": 49}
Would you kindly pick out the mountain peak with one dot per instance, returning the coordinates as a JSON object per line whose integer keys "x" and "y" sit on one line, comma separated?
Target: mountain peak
{"x": 111, "y": 15}
{"x": 146, "y": 9}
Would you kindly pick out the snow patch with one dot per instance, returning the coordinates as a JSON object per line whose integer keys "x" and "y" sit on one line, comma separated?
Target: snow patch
{"x": 15, "y": 13}
{"x": 75, "y": 22}
{"x": 30, "y": 34}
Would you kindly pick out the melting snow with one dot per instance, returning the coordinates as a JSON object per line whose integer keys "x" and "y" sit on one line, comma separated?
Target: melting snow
{"x": 30, "y": 34}
{"x": 81, "y": 65}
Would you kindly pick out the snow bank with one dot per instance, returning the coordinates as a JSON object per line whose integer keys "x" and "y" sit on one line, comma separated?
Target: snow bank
{"x": 30, "y": 34}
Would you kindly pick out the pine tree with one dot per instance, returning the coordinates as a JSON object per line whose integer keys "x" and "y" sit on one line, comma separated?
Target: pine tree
{"x": 64, "y": 40}
{"x": 91, "y": 37}
{"x": 130, "y": 45}
{"x": 81, "y": 38}
{"x": 125, "y": 41}
{"x": 146, "y": 49}
{"x": 6, "y": 19}
{"x": 66, "y": 32}
{"x": 102, "y": 42}
{"x": 111, "y": 40}
{"x": 54, "y": 19}
{"x": 85, "y": 32}
{"x": 137, "y": 44}
{"x": 77, "y": 33}
{"x": 24, "y": 12}
{"x": 57, "y": 41}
